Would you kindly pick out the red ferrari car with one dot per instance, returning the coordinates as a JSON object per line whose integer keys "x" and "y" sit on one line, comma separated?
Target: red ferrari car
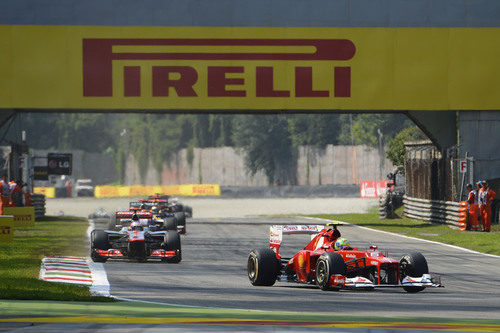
{"x": 330, "y": 262}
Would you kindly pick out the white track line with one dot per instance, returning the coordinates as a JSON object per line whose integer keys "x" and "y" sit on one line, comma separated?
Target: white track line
{"x": 408, "y": 237}
{"x": 100, "y": 285}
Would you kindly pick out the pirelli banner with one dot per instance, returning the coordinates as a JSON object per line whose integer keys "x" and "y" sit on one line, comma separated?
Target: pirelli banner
{"x": 214, "y": 68}
{"x": 23, "y": 216}
{"x": 6, "y": 228}
{"x": 144, "y": 190}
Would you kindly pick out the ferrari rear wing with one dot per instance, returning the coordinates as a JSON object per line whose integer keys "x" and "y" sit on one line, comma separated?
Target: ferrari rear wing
{"x": 276, "y": 233}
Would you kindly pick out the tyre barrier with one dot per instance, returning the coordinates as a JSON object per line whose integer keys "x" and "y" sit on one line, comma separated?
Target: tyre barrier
{"x": 38, "y": 201}
{"x": 388, "y": 203}
{"x": 435, "y": 211}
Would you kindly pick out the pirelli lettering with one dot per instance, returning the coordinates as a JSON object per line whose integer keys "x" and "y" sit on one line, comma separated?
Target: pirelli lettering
{"x": 5, "y": 230}
{"x": 22, "y": 218}
{"x": 219, "y": 81}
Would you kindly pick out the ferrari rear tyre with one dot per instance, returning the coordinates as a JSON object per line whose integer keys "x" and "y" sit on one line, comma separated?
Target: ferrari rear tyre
{"x": 328, "y": 264}
{"x": 263, "y": 267}
{"x": 413, "y": 264}
{"x": 172, "y": 242}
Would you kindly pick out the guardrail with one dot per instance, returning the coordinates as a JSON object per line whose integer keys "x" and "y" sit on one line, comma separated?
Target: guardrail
{"x": 38, "y": 201}
{"x": 435, "y": 211}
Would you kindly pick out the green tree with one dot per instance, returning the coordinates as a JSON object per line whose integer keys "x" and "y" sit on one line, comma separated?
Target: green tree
{"x": 397, "y": 151}
{"x": 314, "y": 129}
{"x": 365, "y": 128}
{"x": 267, "y": 146}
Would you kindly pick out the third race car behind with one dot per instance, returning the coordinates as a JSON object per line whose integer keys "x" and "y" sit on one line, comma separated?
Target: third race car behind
{"x": 329, "y": 262}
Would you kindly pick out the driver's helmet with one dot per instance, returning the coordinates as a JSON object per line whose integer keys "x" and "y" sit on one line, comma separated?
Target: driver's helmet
{"x": 342, "y": 244}
{"x": 136, "y": 225}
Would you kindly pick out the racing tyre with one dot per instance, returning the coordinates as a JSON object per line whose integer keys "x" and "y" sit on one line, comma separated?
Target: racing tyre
{"x": 263, "y": 267}
{"x": 112, "y": 223}
{"x": 171, "y": 223}
{"x": 172, "y": 242}
{"x": 328, "y": 264}
{"x": 99, "y": 241}
{"x": 413, "y": 264}
{"x": 181, "y": 220}
{"x": 188, "y": 211}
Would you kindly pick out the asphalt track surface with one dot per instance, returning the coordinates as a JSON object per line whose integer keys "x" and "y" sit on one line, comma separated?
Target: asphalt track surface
{"x": 213, "y": 274}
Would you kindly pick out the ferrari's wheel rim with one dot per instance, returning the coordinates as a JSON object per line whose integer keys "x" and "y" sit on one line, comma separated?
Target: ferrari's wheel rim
{"x": 403, "y": 269}
{"x": 321, "y": 272}
{"x": 252, "y": 268}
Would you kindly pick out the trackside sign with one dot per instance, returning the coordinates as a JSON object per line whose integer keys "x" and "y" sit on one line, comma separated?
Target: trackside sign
{"x": 236, "y": 68}
{"x": 221, "y": 81}
{"x": 6, "y": 228}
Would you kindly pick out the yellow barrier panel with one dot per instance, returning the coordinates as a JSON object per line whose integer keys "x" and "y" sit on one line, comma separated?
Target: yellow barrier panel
{"x": 6, "y": 228}
{"x": 124, "y": 191}
{"x": 49, "y": 192}
{"x": 23, "y": 216}
{"x": 171, "y": 189}
{"x": 197, "y": 190}
{"x": 105, "y": 191}
{"x": 142, "y": 190}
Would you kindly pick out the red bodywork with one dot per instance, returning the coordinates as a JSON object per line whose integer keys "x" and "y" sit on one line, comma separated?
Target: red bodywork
{"x": 358, "y": 262}
{"x": 117, "y": 254}
{"x": 127, "y": 214}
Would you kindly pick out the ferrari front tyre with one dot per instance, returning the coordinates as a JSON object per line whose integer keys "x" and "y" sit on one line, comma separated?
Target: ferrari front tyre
{"x": 328, "y": 264}
{"x": 172, "y": 242}
{"x": 263, "y": 267}
{"x": 412, "y": 264}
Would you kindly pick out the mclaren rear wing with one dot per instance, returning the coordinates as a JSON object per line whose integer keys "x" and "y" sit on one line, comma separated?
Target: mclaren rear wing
{"x": 276, "y": 233}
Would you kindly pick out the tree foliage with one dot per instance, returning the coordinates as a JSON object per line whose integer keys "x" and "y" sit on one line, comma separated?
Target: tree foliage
{"x": 267, "y": 145}
{"x": 268, "y": 141}
{"x": 397, "y": 151}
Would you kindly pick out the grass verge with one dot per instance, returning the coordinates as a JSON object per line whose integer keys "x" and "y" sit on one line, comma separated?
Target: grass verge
{"x": 486, "y": 242}
{"x": 20, "y": 260}
{"x": 132, "y": 312}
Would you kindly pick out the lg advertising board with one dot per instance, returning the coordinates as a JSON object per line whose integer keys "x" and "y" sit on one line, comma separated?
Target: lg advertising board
{"x": 237, "y": 68}
{"x": 59, "y": 164}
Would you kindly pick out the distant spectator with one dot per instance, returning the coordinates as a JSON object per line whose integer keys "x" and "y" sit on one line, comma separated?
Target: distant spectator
{"x": 4, "y": 186}
{"x": 486, "y": 196}
{"x": 473, "y": 210}
{"x": 69, "y": 188}
{"x": 4, "y": 191}
{"x": 16, "y": 193}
